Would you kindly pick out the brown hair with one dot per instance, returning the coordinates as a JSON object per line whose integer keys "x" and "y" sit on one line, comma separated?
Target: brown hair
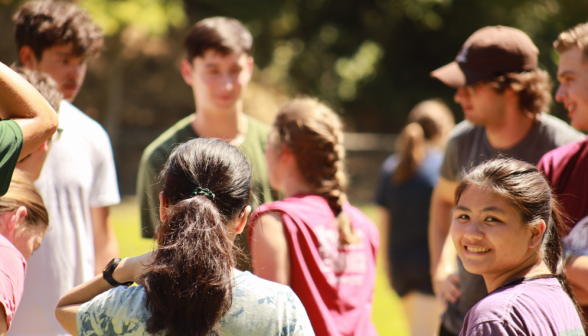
{"x": 523, "y": 186}
{"x": 427, "y": 120}
{"x": 189, "y": 285}
{"x": 533, "y": 87}
{"x": 221, "y": 34}
{"x": 22, "y": 192}
{"x": 43, "y": 83}
{"x": 573, "y": 37}
{"x": 44, "y": 24}
{"x": 314, "y": 134}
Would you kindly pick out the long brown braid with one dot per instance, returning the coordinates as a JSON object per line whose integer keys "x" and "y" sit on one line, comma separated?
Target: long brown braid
{"x": 314, "y": 134}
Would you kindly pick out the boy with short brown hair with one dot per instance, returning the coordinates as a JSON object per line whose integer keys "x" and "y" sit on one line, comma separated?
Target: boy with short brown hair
{"x": 218, "y": 67}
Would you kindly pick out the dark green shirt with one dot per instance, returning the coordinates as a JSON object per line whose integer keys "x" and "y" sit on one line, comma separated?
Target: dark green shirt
{"x": 156, "y": 154}
{"x": 10, "y": 147}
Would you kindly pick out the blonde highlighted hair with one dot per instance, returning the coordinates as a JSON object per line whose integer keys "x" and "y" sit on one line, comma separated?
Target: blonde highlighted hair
{"x": 22, "y": 192}
{"x": 573, "y": 37}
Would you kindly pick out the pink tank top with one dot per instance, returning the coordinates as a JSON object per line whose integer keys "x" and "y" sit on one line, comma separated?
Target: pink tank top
{"x": 335, "y": 283}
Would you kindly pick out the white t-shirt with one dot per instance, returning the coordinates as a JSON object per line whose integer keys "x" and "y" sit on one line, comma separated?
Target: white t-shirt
{"x": 78, "y": 174}
{"x": 259, "y": 307}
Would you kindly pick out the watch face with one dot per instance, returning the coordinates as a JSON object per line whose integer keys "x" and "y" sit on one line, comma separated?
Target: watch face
{"x": 108, "y": 265}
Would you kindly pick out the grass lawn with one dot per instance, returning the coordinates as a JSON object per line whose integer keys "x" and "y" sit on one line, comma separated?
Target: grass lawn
{"x": 387, "y": 315}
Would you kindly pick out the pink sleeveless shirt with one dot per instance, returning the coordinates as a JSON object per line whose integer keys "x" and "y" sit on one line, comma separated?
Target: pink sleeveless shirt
{"x": 335, "y": 283}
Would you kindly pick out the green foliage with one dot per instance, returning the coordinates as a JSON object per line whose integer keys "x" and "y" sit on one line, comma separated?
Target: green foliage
{"x": 317, "y": 47}
{"x": 153, "y": 17}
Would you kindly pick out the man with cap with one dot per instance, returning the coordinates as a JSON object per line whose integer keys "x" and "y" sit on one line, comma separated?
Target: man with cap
{"x": 566, "y": 167}
{"x": 504, "y": 97}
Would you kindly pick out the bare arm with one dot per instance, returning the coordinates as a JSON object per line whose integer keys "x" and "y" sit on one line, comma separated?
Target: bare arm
{"x": 384, "y": 228}
{"x": 21, "y": 102}
{"x": 577, "y": 274}
{"x": 442, "y": 251}
{"x": 129, "y": 269}
{"x": 270, "y": 255}
{"x": 3, "y": 323}
{"x": 105, "y": 243}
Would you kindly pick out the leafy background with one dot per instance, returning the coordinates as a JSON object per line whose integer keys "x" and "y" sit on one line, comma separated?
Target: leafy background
{"x": 368, "y": 59}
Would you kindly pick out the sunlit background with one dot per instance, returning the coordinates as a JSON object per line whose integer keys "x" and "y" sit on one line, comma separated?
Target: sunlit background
{"x": 370, "y": 60}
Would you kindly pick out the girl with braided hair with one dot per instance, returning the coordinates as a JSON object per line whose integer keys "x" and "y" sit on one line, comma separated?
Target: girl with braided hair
{"x": 189, "y": 285}
{"x": 506, "y": 227}
{"x": 314, "y": 240}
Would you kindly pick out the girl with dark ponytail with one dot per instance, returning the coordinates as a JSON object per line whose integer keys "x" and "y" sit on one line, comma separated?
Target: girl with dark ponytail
{"x": 403, "y": 196}
{"x": 506, "y": 227}
{"x": 314, "y": 240}
{"x": 189, "y": 284}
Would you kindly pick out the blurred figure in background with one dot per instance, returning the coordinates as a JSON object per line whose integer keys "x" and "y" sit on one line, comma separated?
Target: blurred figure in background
{"x": 504, "y": 97}
{"x": 566, "y": 168}
{"x": 218, "y": 67}
{"x": 32, "y": 164}
{"x": 27, "y": 121}
{"x": 404, "y": 192}
{"x": 23, "y": 224}
{"x": 314, "y": 241}
{"x": 78, "y": 180}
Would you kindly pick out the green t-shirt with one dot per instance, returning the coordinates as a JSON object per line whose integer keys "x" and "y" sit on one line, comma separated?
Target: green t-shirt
{"x": 156, "y": 154}
{"x": 10, "y": 147}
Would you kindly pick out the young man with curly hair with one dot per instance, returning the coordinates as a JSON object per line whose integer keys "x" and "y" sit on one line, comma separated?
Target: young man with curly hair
{"x": 78, "y": 181}
{"x": 504, "y": 97}
{"x": 566, "y": 168}
{"x": 218, "y": 67}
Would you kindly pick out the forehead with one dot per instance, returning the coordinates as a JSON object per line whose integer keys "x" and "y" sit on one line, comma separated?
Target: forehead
{"x": 477, "y": 198}
{"x": 572, "y": 60}
{"x": 67, "y": 49}
{"x": 212, "y": 57}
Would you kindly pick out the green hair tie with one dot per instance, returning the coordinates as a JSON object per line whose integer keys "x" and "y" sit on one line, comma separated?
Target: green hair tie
{"x": 204, "y": 191}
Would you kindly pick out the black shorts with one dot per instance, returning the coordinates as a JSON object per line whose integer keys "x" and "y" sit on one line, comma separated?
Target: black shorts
{"x": 411, "y": 274}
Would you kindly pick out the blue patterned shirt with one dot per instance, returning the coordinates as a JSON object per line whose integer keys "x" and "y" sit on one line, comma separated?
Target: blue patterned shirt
{"x": 260, "y": 307}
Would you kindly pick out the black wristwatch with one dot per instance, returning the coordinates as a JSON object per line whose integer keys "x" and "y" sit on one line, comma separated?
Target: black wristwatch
{"x": 107, "y": 274}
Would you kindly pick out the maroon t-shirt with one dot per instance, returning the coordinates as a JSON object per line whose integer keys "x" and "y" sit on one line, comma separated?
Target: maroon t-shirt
{"x": 533, "y": 307}
{"x": 566, "y": 168}
{"x": 335, "y": 283}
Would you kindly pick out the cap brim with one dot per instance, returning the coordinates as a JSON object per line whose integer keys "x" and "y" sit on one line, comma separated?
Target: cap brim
{"x": 456, "y": 75}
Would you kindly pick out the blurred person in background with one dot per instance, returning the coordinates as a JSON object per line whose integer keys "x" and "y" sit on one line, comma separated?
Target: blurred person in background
{"x": 27, "y": 121}
{"x": 189, "y": 284}
{"x": 505, "y": 99}
{"x": 406, "y": 182}
{"x": 314, "y": 241}
{"x": 23, "y": 224}
{"x": 218, "y": 67}
{"x": 32, "y": 164}
{"x": 78, "y": 180}
{"x": 566, "y": 168}
{"x": 507, "y": 227}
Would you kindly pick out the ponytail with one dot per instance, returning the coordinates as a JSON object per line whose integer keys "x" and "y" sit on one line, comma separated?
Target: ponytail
{"x": 553, "y": 255}
{"x": 192, "y": 271}
{"x": 411, "y": 149}
{"x": 189, "y": 286}
{"x": 429, "y": 122}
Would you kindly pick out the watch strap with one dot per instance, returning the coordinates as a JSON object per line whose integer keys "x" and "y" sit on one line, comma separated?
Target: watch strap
{"x": 107, "y": 274}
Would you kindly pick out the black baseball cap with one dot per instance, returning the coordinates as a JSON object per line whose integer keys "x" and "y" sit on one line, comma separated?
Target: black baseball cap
{"x": 489, "y": 52}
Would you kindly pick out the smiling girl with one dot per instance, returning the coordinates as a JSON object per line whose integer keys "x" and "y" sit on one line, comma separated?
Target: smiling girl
{"x": 506, "y": 228}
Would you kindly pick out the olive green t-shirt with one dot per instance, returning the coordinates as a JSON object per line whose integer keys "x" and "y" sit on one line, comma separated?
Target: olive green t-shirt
{"x": 156, "y": 154}
{"x": 11, "y": 140}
